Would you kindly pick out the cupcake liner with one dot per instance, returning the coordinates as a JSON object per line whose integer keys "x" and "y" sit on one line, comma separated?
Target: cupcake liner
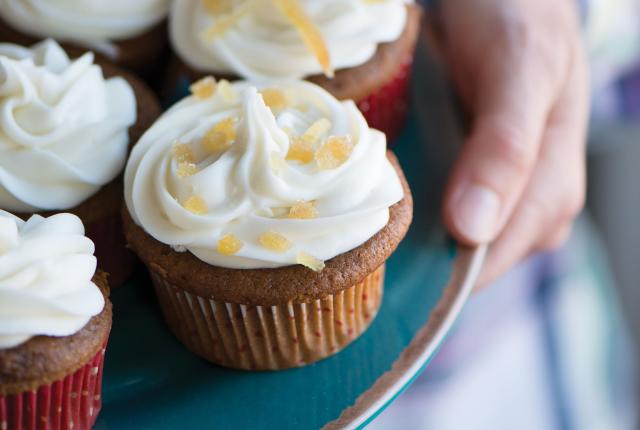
{"x": 69, "y": 403}
{"x": 386, "y": 109}
{"x": 114, "y": 257}
{"x": 269, "y": 337}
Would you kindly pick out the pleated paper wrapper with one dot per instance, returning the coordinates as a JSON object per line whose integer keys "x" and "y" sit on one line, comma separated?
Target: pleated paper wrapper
{"x": 269, "y": 337}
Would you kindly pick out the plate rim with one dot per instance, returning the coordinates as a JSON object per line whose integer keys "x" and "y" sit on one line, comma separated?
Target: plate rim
{"x": 414, "y": 358}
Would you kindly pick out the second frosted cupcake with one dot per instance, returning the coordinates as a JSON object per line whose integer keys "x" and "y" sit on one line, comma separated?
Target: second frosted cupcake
{"x": 265, "y": 216}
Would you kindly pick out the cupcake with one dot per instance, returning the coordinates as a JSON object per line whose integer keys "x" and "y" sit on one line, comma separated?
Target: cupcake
{"x": 131, "y": 34}
{"x": 265, "y": 216}
{"x": 65, "y": 131}
{"x": 357, "y": 50}
{"x": 55, "y": 318}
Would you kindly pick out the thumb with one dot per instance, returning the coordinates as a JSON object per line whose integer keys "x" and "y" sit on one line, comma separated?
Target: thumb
{"x": 514, "y": 95}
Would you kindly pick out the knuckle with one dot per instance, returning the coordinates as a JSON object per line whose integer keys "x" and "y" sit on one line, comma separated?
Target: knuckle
{"x": 510, "y": 144}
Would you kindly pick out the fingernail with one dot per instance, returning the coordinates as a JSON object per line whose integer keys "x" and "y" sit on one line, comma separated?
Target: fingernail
{"x": 475, "y": 212}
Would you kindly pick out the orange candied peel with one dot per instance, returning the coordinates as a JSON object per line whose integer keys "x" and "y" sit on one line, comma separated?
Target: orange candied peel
{"x": 310, "y": 261}
{"x": 310, "y": 34}
{"x": 334, "y": 152}
{"x": 303, "y": 210}
{"x": 229, "y": 244}
{"x": 220, "y": 136}
{"x": 195, "y": 205}
{"x": 182, "y": 152}
{"x": 274, "y": 98}
{"x": 186, "y": 169}
{"x": 203, "y": 88}
{"x": 274, "y": 241}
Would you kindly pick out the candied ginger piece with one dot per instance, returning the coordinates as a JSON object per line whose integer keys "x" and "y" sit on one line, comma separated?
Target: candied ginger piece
{"x": 300, "y": 150}
{"x": 334, "y": 152}
{"x": 274, "y": 241}
{"x": 182, "y": 152}
{"x": 274, "y": 98}
{"x": 310, "y": 261}
{"x": 317, "y": 130}
{"x": 226, "y": 90}
{"x": 310, "y": 34}
{"x": 216, "y": 7}
{"x": 195, "y": 205}
{"x": 229, "y": 244}
{"x": 220, "y": 136}
{"x": 224, "y": 23}
{"x": 186, "y": 169}
{"x": 303, "y": 210}
{"x": 204, "y": 88}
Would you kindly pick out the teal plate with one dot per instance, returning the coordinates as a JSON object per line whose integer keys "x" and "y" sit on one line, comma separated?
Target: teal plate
{"x": 152, "y": 382}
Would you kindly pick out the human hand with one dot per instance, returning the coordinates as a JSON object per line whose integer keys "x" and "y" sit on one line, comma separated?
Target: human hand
{"x": 519, "y": 181}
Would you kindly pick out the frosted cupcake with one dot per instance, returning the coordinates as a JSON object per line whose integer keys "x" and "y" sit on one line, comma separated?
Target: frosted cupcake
{"x": 55, "y": 319}
{"x": 129, "y": 33}
{"x": 265, "y": 216}
{"x": 358, "y": 50}
{"x": 65, "y": 130}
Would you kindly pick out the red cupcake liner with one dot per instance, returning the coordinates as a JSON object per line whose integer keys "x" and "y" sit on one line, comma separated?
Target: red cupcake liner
{"x": 66, "y": 404}
{"x": 386, "y": 109}
{"x": 114, "y": 257}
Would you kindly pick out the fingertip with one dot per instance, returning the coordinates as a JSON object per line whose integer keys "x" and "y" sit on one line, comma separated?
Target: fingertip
{"x": 472, "y": 213}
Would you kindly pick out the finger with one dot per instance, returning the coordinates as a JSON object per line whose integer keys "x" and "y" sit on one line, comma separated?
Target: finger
{"x": 556, "y": 192}
{"x": 511, "y": 107}
{"x": 556, "y": 239}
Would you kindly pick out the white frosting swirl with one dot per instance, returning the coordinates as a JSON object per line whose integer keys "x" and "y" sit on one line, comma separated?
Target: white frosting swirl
{"x": 87, "y": 21}
{"x": 265, "y": 45}
{"x": 63, "y": 127}
{"x": 245, "y": 191}
{"x": 46, "y": 267}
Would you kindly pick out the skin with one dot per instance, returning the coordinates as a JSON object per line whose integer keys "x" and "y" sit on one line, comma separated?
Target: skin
{"x": 519, "y": 181}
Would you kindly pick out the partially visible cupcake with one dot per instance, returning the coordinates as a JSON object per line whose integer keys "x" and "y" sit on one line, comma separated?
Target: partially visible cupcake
{"x": 265, "y": 216}
{"x": 357, "y": 50}
{"x": 55, "y": 319}
{"x": 65, "y": 131}
{"x": 129, "y": 33}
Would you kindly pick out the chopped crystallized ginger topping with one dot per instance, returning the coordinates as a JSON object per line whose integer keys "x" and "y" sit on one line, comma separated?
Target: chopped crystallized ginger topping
{"x": 217, "y": 7}
{"x": 229, "y": 244}
{"x": 316, "y": 130}
{"x": 220, "y": 136}
{"x": 300, "y": 150}
{"x": 303, "y": 210}
{"x": 224, "y": 23}
{"x": 204, "y": 88}
{"x": 226, "y": 89}
{"x": 310, "y": 34}
{"x": 182, "y": 152}
{"x": 310, "y": 261}
{"x": 334, "y": 152}
{"x": 274, "y": 241}
{"x": 274, "y": 98}
{"x": 195, "y": 205}
{"x": 186, "y": 169}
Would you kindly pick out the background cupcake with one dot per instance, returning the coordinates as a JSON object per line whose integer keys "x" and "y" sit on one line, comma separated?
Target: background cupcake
{"x": 265, "y": 217}
{"x": 129, "y": 33}
{"x": 369, "y": 45}
{"x": 64, "y": 138}
{"x": 54, "y": 323}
